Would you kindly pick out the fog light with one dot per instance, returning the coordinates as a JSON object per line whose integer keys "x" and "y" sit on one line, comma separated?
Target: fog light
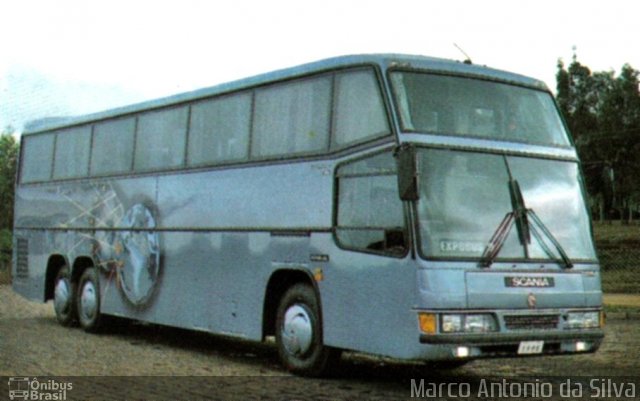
{"x": 462, "y": 352}
{"x": 581, "y": 346}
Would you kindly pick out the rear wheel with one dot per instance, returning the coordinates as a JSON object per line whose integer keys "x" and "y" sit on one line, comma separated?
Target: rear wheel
{"x": 64, "y": 296}
{"x": 299, "y": 333}
{"x": 88, "y": 300}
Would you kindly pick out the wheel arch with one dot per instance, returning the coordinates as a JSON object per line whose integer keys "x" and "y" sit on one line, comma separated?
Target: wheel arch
{"x": 79, "y": 266}
{"x": 58, "y": 261}
{"x": 54, "y": 264}
{"x": 279, "y": 282}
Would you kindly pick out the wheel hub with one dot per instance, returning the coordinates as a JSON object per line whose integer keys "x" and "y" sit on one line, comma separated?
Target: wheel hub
{"x": 88, "y": 301}
{"x": 297, "y": 330}
{"x": 62, "y": 297}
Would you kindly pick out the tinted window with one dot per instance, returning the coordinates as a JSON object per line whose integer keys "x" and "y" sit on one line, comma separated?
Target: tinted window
{"x": 37, "y": 157}
{"x": 161, "y": 139}
{"x": 465, "y": 200}
{"x": 219, "y": 130}
{"x": 112, "y": 151}
{"x": 472, "y": 107}
{"x": 360, "y": 112}
{"x": 464, "y": 197}
{"x": 72, "y": 153}
{"x": 552, "y": 189}
{"x": 292, "y": 118}
{"x": 370, "y": 212}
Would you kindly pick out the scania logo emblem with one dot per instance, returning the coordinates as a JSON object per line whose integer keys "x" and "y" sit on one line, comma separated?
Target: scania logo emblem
{"x": 532, "y": 301}
{"x": 529, "y": 282}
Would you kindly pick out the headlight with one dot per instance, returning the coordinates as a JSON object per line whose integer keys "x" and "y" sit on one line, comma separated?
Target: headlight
{"x": 451, "y": 323}
{"x": 583, "y": 320}
{"x": 472, "y": 323}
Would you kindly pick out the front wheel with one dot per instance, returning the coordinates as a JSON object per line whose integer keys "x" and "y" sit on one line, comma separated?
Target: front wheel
{"x": 89, "y": 300}
{"x": 299, "y": 333}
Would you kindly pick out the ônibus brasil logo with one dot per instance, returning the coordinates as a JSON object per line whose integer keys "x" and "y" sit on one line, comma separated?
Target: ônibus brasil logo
{"x": 32, "y": 389}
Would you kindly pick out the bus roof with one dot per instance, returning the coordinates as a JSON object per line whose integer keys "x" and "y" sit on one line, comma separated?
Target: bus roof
{"x": 382, "y": 60}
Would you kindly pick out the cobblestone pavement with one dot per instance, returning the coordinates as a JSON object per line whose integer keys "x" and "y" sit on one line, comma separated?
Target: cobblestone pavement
{"x": 147, "y": 362}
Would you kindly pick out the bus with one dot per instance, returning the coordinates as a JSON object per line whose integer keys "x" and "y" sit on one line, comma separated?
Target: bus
{"x": 402, "y": 206}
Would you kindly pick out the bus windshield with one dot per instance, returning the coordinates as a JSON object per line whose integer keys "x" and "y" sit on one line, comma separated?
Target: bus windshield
{"x": 461, "y": 106}
{"x": 464, "y": 198}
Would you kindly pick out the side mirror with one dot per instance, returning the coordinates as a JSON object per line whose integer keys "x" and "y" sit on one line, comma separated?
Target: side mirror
{"x": 405, "y": 155}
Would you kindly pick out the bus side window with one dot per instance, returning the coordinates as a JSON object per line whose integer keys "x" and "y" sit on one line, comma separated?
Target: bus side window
{"x": 292, "y": 118}
{"x": 219, "y": 130}
{"x": 370, "y": 214}
{"x": 71, "y": 159}
{"x": 112, "y": 148}
{"x": 360, "y": 113}
{"x": 37, "y": 157}
{"x": 161, "y": 139}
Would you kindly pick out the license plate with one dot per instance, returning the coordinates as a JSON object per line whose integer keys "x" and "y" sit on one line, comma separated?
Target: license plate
{"x": 530, "y": 347}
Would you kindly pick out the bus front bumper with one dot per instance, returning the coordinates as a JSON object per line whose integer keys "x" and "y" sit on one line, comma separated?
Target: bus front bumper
{"x": 476, "y": 345}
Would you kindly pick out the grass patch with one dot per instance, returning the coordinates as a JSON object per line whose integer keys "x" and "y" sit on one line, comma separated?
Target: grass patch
{"x": 621, "y": 309}
{"x": 620, "y": 281}
{"x": 618, "y": 248}
{"x": 614, "y": 232}
{"x": 5, "y": 275}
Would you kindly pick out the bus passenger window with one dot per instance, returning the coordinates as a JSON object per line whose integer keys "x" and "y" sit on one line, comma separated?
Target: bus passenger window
{"x": 292, "y": 118}
{"x": 219, "y": 130}
{"x": 37, "y": 157}
{"x": 360, "y": 112}
{"x": 71, "y": 159}
{"x": 161, "y": 139}
{"x": 112, "y": 147}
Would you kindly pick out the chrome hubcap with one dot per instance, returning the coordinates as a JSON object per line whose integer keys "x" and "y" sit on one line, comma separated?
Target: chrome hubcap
{"x": 297, "y": 330}
{"x": 62, "y": 297}
{"x": 88, "y": 301}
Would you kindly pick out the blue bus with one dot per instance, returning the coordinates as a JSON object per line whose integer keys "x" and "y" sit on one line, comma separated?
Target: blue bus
{"x": 403, "y": 206}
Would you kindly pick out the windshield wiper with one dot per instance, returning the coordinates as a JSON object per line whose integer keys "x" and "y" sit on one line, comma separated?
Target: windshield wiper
{"x": 537, "y": 222}
{"x": 497, "y": 240}
{"x": 521, "y": 216}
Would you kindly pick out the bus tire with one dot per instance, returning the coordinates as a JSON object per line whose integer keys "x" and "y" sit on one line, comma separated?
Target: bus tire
{"x": 64, "y": 298}
{"x": 299, "y": 333}
{"x": 88, "y": 300}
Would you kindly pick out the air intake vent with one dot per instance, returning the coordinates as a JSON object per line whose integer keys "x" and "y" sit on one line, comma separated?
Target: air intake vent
{"x": 531, "y": 322}
{"x": 22, "y": 258}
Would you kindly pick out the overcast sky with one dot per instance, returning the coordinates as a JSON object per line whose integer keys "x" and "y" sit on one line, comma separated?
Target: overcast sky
{"x": 68, "y": 57}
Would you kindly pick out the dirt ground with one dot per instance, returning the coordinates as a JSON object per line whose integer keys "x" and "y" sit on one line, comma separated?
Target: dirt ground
{"x": 148, "y": 362}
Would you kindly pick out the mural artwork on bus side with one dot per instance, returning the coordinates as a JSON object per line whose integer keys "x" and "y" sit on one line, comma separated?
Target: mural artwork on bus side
{"x": 128, "y": 249}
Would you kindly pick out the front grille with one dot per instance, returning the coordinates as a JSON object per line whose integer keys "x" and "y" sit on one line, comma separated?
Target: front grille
{"x": 531, "y": 322}
{"x": 22, "y": 258}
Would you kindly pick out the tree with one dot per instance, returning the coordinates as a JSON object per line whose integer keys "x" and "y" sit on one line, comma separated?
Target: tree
{"x": 578, "y": 98}
{"x": 603, "y": 114}
{"x": 619, "y": 120}
{"x": 8, "y": 157}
